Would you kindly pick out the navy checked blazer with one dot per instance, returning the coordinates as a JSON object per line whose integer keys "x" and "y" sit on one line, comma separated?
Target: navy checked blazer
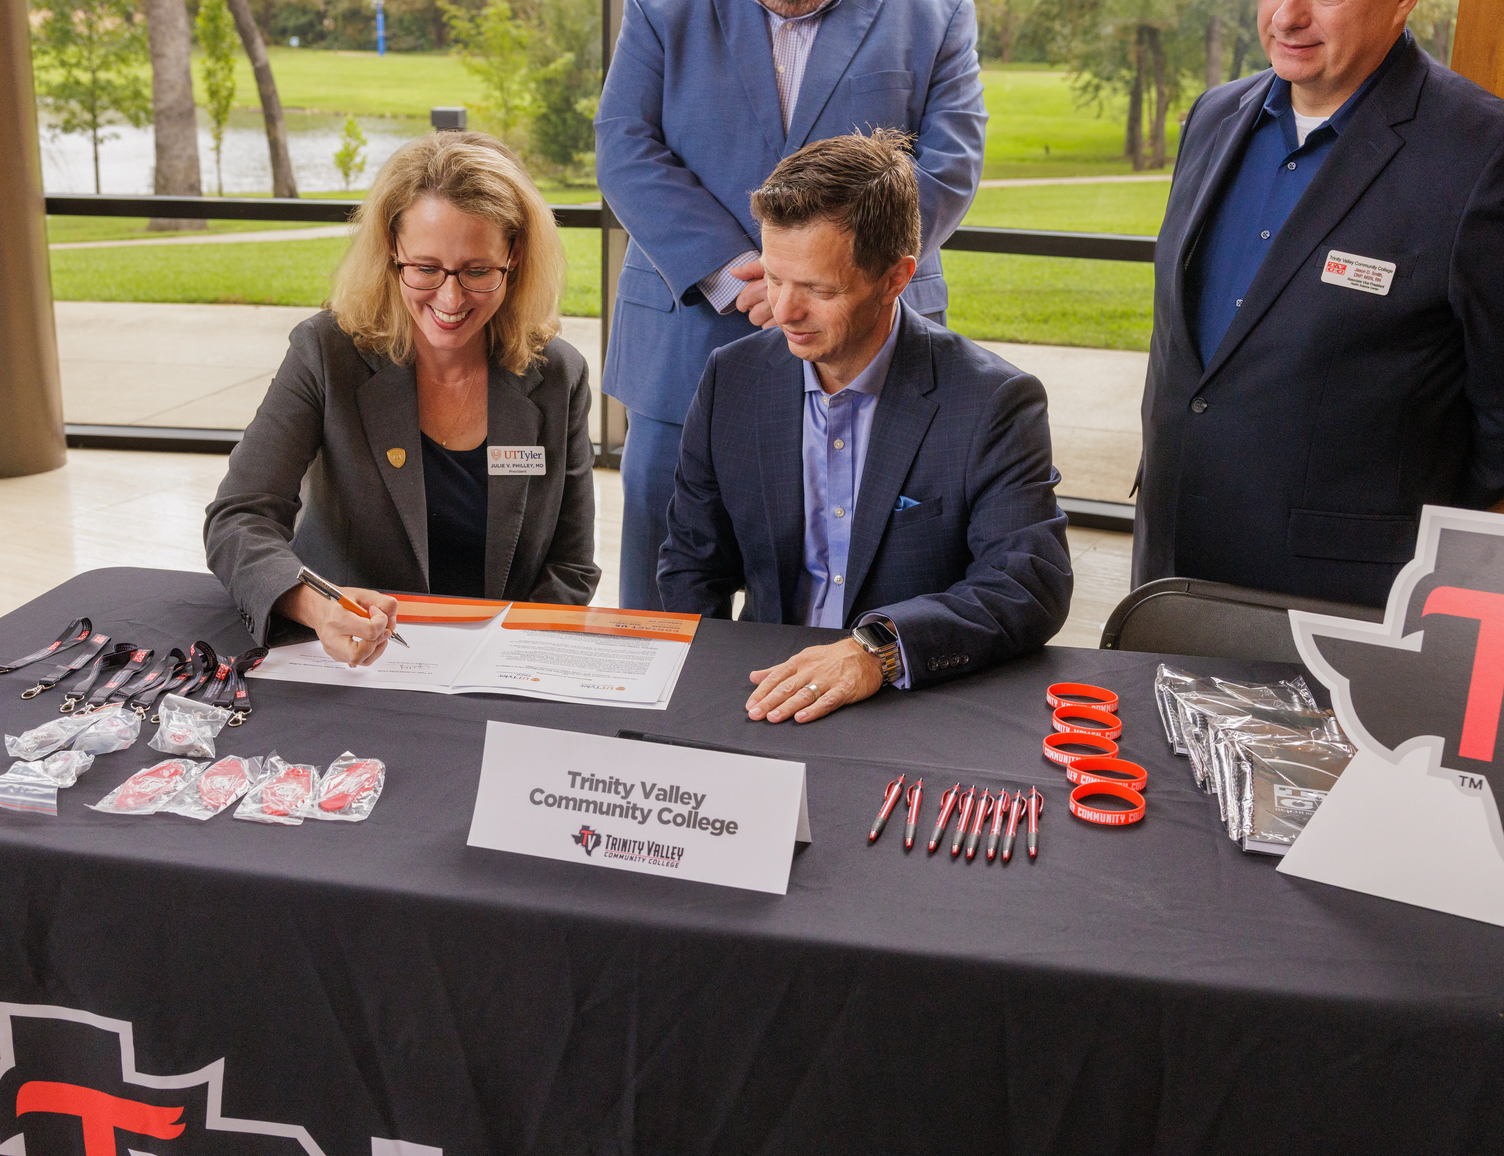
{"x": 977, "y": 572}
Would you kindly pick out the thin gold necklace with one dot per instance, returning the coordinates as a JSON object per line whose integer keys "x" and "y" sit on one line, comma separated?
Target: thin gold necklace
{"x": 468, "y": 392}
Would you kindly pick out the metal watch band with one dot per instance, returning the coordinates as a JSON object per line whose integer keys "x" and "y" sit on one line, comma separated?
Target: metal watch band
{"x": 887, "y": 655}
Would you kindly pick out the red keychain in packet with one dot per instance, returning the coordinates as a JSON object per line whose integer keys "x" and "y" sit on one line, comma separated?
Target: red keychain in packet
{"x": 214, "y": 790}
{"x": 145, "y": 792}
{"x": 282, "y": 793}
{"x": 349, "y": 789}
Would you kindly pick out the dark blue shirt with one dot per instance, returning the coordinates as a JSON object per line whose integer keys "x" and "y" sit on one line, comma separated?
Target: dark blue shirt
{"x": 1257, "y": 199}
{"x": 455, "y": 484}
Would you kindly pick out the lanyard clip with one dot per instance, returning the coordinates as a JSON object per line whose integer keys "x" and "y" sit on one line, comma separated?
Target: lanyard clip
{"x": 34, "y": 691}
{"x": 69, "y": 704}
{"x": 238, "y": 717}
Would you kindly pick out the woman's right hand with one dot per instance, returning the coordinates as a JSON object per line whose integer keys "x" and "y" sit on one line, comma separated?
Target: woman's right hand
{"x": 346, "y": 637}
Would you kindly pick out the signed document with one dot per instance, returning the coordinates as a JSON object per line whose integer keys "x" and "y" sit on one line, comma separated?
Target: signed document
{"x": 578, "y": 654}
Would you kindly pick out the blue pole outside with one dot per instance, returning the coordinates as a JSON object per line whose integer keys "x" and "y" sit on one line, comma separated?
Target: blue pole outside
{"x": 380, "y": 29}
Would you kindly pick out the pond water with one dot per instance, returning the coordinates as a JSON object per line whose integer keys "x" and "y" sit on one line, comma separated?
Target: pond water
{"x": 126, "y": 163}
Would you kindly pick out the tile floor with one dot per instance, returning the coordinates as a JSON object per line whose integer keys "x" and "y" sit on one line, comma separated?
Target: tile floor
{"x": 113, "y": 508}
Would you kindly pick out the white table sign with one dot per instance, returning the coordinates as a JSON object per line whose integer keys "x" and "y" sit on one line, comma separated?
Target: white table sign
{"x": 629, "y": 805}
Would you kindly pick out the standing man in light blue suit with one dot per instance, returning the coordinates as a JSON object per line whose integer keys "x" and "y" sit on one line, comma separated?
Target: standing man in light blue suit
{"x": 703, "y": 99}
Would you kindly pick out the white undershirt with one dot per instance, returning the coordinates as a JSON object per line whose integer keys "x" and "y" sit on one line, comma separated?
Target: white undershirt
{"x": 1306, "y": 125}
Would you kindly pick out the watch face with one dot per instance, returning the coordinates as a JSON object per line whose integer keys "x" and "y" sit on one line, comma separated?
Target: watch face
{"x": 875, "y": 635}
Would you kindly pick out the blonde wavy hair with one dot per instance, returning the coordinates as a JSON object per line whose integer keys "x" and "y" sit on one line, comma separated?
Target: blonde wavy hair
{"x": 477, "y": 174}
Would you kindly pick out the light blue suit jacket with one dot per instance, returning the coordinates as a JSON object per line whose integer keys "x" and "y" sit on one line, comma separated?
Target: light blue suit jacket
{"x": 689, "y": 125}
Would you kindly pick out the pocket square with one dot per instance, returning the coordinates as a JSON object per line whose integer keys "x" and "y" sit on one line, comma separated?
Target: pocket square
{"x": 904, "y": 503}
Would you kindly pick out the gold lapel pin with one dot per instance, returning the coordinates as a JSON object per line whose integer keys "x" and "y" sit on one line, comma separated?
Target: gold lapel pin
{"x": 397, "y": 456}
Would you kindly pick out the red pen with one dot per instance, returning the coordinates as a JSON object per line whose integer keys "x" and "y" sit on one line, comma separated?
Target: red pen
{"x": 914, "y": 796}
{"x": 1011, "y": 833}
{"x": 890, "y": 797}
{"x": 984, "y": 809}
{"x": 1036, "y": 807}
{"x": 968, "y": 801}
{"x": 947, "y": 805}
{"x": 994, "y": 836}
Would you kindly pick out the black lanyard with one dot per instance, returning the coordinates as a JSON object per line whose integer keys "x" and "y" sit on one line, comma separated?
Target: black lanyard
{"x": 222, "y": 685}
{"x": 119, "y": 655}
{"x": 111, "y": 691}
{"x": 76, "y": 631}
{"x": 62, "y": 670}
{"x": 140, "y": 693}
{"x": 185, "y": 670}
{"x": 245, "y": 663}
{"x": 188, "y": 675}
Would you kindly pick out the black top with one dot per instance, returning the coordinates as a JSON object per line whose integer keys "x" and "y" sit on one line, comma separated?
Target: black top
{"x": 455, "y": 484}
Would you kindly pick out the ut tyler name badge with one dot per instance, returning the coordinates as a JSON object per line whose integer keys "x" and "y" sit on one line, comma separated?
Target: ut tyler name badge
{"x": 513, "y": 460}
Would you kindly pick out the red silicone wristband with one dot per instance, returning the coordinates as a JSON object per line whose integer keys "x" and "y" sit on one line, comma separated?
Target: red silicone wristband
{"x": 1107, "y": 818}
{"x": 1118, "y": 771}
{"x": 1071, "y": 694}
{"x": 1108, "y": 725}
{"x": 1055, "y": 741}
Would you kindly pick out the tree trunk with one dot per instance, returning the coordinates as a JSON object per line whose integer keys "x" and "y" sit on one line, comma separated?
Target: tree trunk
{"x": 1240, "y": 43}
{"x": 1213, "y": 51}
{"x": 175, "y": 128}
{"x": 1005, "y": 34}
{"x": 283, "y": 184}
{"x": 1135, "y": 140}
{"x": 1161, "y": 100}
{"x": 1441, "y": 41}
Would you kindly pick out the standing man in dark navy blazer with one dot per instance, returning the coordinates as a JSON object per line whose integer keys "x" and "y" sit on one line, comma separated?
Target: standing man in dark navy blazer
{"x": 860, "y": 467}
{"x": 703, "y": 98}
{"x": 1328, "y": 351}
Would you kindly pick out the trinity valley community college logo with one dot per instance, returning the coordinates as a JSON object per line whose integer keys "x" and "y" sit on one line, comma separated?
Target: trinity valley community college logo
{"x": 588, "y": 839}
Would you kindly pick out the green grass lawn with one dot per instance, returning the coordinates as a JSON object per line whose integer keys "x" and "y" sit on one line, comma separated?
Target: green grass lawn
{"x": 397, "y": 84}
{"x": 1110, "y": 208}
{"x": 259, "y": 273}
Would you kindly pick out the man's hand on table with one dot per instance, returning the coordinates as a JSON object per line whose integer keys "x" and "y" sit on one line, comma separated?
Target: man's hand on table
{"x": 346, "y": 637}
{"x": 753, "y": 300}
{"x": 841, "y": 672}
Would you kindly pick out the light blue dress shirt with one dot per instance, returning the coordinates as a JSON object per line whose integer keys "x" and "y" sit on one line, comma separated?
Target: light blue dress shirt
{"x": 837, "y": 429}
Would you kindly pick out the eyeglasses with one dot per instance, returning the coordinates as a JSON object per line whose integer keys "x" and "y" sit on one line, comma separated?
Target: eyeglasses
{"x": 475, "y": 279}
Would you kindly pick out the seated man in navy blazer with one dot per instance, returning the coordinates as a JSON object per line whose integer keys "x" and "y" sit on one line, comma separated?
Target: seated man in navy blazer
{"x": 859, "y": 467}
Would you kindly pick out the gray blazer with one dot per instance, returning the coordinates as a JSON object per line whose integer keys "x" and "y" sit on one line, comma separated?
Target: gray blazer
{"x": 330, "y": 474}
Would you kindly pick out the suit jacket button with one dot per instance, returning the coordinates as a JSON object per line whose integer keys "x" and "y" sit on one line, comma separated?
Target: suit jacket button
{"x": 1198, "y": 405}
{"x": 934, "y": 665}
{"x": 965, "y": 658}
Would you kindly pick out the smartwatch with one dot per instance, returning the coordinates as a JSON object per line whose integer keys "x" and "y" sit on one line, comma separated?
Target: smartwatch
{"x": 878, "y": 640}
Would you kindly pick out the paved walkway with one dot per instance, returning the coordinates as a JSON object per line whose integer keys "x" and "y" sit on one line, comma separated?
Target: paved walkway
{"x": 208, "y": 366}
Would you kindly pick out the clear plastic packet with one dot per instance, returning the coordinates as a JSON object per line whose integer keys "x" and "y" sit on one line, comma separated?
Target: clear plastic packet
{"x": 51, "y": 736}
{"x": 215, "y": 789}
{"x": 61, "y": 768}
{"x": 281, "y": 794}
{"x": 147, "y": 790}
{"x": 114, "y": 732}
{"x": 1286, "y": 781}
{"x": 348, "y": 790}
{"x": 188, "y": 727}
{"x": 32, "y": 793}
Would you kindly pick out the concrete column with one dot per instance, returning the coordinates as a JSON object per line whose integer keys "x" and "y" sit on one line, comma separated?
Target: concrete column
{"x": 31, "y": 400}
{"x": 1478, "y": 50}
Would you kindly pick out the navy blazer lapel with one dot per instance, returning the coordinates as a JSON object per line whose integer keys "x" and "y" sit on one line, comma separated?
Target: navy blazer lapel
{"x": 1227, "y": 149}
{"x": 841, "y": 33}
{"x": 780, "y": 458}
{"x": 388, "y": 405}
{"x": 1366, "y": 146}
{"x": 512, "y": 419}
{"x": 904, "y": 413}
{"x": 746, "y": 31}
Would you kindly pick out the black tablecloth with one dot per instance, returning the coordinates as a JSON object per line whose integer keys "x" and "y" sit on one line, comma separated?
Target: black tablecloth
{"x": 1134, "y": 990}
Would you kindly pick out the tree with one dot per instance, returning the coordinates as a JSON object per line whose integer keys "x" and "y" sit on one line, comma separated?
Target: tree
{"x": 999, "y": 23}
{"x": 349, "y": 158}
{"x": 493, "y": 45}
{"x": 283, "y": 182}
{"x": 216, "y": 37}
{"x": 566, "y": 86}
{"x": 91, "y": 56}
{"x": 1432, "y": 22}
{"x": 176, "y": 129}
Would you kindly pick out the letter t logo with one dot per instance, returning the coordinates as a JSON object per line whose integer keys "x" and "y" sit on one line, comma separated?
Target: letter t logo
{"x": 1480, "y": 725}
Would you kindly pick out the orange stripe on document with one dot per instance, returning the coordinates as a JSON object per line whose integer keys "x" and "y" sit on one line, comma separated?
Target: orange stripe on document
{"x": 602, "y": 620}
